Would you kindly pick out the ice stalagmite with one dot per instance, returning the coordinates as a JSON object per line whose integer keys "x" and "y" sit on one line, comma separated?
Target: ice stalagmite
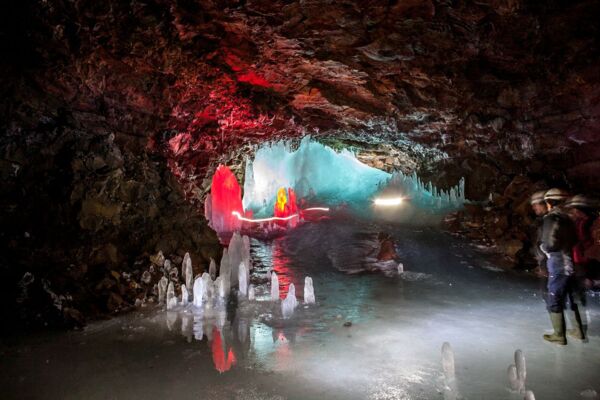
{"x": 448, "y": 361}
{"x": 208, "y": 287}
{"x": 274, "y": 287}
{"x": 237, "y": 254}
{"x": 184, "y": 295}
{"x": 251, "y": 293}
{"x": 212, "y": 269}
{"x": 198, "y": 292}
{"x": 162, "y": 289}
{"x": 521, "y": 369}
{"x": 171, "y": 298}
{"x": 309, "y": 291}
{"x": 529, "y": 395}
{"x": 289, "y": 303}
{"x": 513, "y": 377}
{"x": 187, "y": 271}
{"x": 225, "y": 267}
{"x": 243, "y": 279}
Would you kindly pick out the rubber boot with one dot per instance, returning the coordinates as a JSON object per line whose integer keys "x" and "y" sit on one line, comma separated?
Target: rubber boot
{"x": 558, "y": 323}
{"x": 577, "y": 331}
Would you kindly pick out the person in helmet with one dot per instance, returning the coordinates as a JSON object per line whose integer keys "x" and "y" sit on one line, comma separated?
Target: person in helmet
{"x": 538, "y": 205}
{"x": 558, "y": 239}
{"x": 582, "y": 211}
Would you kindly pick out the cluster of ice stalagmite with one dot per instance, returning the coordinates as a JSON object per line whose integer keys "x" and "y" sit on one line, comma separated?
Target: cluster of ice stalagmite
{"x": 209, "y": 289}
{"x": 289, "y": 304}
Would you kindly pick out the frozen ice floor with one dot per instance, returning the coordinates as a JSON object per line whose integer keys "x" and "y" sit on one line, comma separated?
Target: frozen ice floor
{"x": 392, "y": 350}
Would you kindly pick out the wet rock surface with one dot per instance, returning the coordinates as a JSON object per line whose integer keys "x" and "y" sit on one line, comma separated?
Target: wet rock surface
{"x": 114, "y": 115}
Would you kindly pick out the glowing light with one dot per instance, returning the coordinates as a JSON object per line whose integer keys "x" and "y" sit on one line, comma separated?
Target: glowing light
{"x": 239, "y": 216}
{"x": 259, "y": 220}
{"x": 388, "y": 202}
{"x": 281, "y": 202}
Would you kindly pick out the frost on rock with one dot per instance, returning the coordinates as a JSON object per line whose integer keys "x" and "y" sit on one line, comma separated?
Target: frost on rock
{"x": 171, "y": 298}
{"x": 309, "y": 291}
{"x": 162, "y": 289}
{"x": 274, "y": 286}
{"x": 198, "y": 292}
{"x": 187, "y": 271}
{"x": 289, "y": 304}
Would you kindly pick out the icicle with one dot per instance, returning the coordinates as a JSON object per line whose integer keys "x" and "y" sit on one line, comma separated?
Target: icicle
{"x": 309, "y": 291}
{"x": 274, "y": 287}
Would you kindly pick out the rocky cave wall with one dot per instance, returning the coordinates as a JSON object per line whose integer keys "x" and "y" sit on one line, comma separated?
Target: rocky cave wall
{"x": 115, "y": 113}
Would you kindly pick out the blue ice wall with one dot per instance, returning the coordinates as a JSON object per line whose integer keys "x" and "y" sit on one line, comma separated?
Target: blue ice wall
{"x": 331, "y": 178}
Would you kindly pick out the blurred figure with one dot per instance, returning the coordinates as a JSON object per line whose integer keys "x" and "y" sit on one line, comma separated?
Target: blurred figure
{"x": 387, "y": 249}
{"x": 582, "y": 211}
{"x": 558, "y": 239}
{"x": 538, "y": 205}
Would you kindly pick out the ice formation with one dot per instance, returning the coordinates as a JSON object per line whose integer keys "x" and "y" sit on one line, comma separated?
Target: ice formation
{"x": 184, "y": 295}
{"x": 237, "y": 252}
{"x": 448, "y": 361}
{"x": 212, "y": 269}
{"x": 529, "y": 395}
{"x": 517, "y": 372}
{"x": 313, "y": 170}
{"x": 224, "y": 198}
{"x": 162, "y": 289}
{"x": 424, "y": 196}
{"x": 171, "y": 298}
{"x": 309, "y": 291}
{"x": 208, "y": 287}
{"x": 274, "y": 286}
{"x": 319, "y": 174}
{"x": 198, "y": 292}
{"x": 251, "y": 293}
{"x": 289, "y": 303}
{"x": 187, "y": 271}
{"x": 243, "y": 279}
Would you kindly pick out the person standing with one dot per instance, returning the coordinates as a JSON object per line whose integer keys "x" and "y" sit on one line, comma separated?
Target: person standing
{"x": 538, "y": 205}
{"x": 558, "y": 239}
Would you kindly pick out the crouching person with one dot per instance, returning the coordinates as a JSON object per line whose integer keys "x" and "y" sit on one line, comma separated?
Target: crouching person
{"x": 558, "y": 239}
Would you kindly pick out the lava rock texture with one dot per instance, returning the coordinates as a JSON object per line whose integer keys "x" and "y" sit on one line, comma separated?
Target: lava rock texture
{"x": 116, "y": 112}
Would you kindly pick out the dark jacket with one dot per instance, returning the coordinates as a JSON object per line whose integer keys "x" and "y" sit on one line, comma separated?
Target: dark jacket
{"x": 539, "y": 255}
{"x": 558, "y": 232}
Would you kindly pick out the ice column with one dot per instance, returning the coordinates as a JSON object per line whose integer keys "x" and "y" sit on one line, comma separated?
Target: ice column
{"x": 274, "y": 287}
{"x": 289, "y": 303}
{"x": 309, "y": 291}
